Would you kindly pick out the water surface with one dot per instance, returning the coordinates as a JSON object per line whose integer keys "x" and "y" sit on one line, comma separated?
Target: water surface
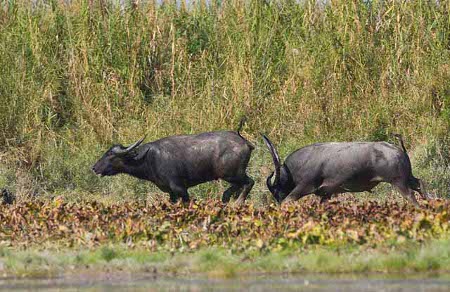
{"x": 150, "y": 282}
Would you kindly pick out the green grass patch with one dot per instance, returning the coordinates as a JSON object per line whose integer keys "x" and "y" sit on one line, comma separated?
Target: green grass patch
{"x": 433, "y": 256}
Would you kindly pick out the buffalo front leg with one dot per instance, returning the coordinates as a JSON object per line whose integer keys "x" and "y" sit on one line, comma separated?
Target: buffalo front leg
{"x": 298, "y": 192}
{"x": 178, "y": 191}
{"x": 325, "y": 198}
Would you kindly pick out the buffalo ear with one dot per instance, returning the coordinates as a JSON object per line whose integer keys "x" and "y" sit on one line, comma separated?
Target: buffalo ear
{"x": 141, "y": 154}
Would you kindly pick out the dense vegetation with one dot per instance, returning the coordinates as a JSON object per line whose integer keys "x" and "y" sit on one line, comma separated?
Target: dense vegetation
{"x": 79, "y": 75}
{"x": 164, "y": 226}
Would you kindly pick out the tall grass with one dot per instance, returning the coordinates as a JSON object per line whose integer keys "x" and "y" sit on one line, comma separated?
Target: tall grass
{"x": 77, "y": 77}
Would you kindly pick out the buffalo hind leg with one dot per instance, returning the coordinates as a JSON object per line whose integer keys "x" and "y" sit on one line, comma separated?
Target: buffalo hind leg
{"x": 419, "y": 186}
{"x": 424, "y": 193}
{"x": 230, "y": 191}
{"x": 240, "y": 187}
{"x": 247, "y": 186}
{"x": 406, "y": 192}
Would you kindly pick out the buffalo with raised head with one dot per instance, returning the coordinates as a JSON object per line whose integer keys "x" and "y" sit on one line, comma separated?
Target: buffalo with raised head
{"x": 325, "y": 169}
{"x": 177, "y": 163}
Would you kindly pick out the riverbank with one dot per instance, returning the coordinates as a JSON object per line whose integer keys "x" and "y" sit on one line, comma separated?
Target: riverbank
{"x": 51, "y": 238}
{"x": 408, "y": 257}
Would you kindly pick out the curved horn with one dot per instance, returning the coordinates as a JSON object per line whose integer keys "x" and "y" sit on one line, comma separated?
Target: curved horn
{"x": 269, "y": 183}
{"x": 275, "y": 158}
{"x": 131, "y": 147}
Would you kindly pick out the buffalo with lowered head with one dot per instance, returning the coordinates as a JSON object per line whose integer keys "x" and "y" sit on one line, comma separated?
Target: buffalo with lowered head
{"x": 177, "y": 163}
{"x": 325, "y": 169}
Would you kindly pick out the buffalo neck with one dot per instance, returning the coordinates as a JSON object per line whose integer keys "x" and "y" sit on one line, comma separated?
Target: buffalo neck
{"x": 139, "y": 168}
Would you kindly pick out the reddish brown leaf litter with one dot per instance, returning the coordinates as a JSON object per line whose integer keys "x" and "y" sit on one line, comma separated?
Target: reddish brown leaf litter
{"x": 210, "y": 223}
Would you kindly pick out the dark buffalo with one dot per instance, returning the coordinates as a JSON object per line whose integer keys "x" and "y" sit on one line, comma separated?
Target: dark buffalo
{"x": 177, "y": 163}
{"x": 325, "y": 169}
{"x": 8, "y": 197}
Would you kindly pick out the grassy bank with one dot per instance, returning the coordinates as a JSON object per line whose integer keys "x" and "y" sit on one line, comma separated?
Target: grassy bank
{"x": 49, "y": 238}
{"x": 408, "y": 257}
{"x": 77, "y": 77}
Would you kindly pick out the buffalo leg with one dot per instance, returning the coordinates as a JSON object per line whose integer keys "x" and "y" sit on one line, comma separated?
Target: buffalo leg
{"x": 176, "y": 192}
{"x": 173, "y": 197}
{"x": 248, "y": 185}
{"x": 421, "y": 189}
{"x": 328, "y": 189}
{"x": 230, "y": 191}
{"x": 424, "y": 193}
{"x": 298, "y": 192}
{"x": 406, "y": 192}
{"x": 325, "y": 198}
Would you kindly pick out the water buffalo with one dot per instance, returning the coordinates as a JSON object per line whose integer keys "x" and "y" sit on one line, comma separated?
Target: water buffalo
{"x": 325, "y": 169}
{"x": 178, "y": 162}
{"x": 8, "y": 197}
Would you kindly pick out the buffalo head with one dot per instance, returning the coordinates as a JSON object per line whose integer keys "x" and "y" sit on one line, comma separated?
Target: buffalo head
{"x": 115, "y": 159}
